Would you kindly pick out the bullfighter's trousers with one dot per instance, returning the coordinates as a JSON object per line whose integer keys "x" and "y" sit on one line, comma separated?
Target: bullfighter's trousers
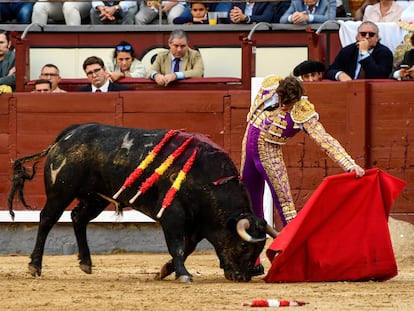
{"x": 263, "y": 162}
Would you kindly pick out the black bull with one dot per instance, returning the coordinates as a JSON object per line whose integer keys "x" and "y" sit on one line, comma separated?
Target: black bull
{"x": 90, "y": 163}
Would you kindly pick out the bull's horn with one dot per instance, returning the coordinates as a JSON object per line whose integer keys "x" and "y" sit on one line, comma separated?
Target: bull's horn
{"x": 271, "y": 231}
{"x": 242, "y": 226}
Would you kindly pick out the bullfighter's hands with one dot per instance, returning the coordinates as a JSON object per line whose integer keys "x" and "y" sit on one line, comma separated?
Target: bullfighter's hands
{"x": 359, "y": 171}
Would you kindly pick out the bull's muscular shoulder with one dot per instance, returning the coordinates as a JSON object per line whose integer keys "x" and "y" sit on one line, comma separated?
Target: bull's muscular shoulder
{"x": 303, "y": 110}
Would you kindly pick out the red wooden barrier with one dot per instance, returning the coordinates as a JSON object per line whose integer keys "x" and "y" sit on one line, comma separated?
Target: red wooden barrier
{"x": 371, "y": 119}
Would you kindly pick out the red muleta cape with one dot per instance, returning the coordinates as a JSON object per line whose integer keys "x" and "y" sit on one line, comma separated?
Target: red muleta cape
{"x": 341, "y": 234}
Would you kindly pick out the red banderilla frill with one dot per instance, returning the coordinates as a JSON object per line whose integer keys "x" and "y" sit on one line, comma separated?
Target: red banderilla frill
{"x": 177, "y": 183}
{"x": 144, "y": 163}
{"x": 159, "y": 171}
{"x": 274, "y": 303}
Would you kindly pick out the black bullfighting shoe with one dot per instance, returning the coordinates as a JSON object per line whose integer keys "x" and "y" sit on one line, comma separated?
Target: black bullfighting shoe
{"x": 257, "y": 270}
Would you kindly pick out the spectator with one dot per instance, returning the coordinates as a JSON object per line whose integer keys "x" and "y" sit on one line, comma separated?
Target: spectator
{"x": 113, "y": 12}
{"x": 7, "y": 60}
{"x": 21, "y": 11}
{"x": 98, "y": 77}
{"x": 42, "y": 86}
{"x": 309, "y": 11}
{"x": 149, "y": 11}
{"x": 51, "y": 72}
{"x": 366, "y": 58}
{"x": 310, "y": 71}
{"x": 69, "y": 11}
{"x": 385, "y": 11}
{"x": 340, "y": 9}
{"x": 124, "y": 64}
{"x": 219, "y": 6}
{"x": 359, "y": 13}
{"x": 198, "y": 14}
{"x": 280, "y": 9}
{"x": 178, "y": 63}
{"x": 406, "y": 69}
{"x": 252, "y": 12}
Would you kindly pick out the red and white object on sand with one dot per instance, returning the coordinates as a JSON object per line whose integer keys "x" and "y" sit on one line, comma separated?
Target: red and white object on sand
{"x": 274, "y": 303}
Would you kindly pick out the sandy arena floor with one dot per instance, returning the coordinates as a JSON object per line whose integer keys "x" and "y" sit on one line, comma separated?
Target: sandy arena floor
{"x": 124, "y": 281}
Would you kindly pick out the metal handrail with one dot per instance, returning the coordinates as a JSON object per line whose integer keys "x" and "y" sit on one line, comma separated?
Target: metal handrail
{"x": 323, "y": 25}
{"x": 250, "y": 35}
{"x": 26, "y": 30}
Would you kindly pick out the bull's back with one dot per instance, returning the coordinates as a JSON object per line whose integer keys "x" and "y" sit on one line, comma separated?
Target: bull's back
{"x": 108, "y": 154}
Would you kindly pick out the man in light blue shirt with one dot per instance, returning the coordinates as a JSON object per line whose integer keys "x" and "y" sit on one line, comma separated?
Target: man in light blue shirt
{"x": 309, "y": 11}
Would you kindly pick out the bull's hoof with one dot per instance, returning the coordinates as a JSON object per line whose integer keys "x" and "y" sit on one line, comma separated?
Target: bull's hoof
{"x": 86, "y": 268}
{"x": 164, "y": 272}
{"x": 185, "y": 279}
{"x": 237, "y": 277}
{"x": 33, "y": 270}
{"x": 257, "y": 270}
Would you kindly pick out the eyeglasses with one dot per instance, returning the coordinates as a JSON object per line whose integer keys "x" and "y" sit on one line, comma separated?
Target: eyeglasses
{"x": 364, "y": 33}
{"x": 123, "y": 48}
{"x": 92, "y": 72}
{"x": 49, "y": 74}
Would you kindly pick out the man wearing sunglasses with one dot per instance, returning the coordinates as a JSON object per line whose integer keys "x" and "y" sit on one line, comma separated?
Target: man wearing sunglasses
{"x": 98, "y": 77}
{"x": 367, "y": 58}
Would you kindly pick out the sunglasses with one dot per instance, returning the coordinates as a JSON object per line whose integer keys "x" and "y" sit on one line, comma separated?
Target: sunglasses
{"x": 364, "y": 33}
{"x": 123, "y": 48}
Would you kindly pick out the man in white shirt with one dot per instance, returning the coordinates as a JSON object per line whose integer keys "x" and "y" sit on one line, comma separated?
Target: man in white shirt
{"x": 69, "y": 11}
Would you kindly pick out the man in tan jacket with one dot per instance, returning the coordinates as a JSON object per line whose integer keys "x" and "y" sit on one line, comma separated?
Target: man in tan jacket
{"x": 180, "y": 62}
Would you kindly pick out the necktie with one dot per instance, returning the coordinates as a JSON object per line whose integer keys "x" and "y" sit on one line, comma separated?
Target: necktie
{"x": 176, "y": 64}
{"x": 98, "y": 91}
{"x": 361, "y": 74}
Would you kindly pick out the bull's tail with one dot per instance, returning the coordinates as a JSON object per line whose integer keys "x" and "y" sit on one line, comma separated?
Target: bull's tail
{"x": 20, "y": 175}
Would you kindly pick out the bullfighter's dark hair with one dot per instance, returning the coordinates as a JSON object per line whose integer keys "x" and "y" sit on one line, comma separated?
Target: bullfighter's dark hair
{"x": 93, "y": 60}
{"x": 290, "y": 90}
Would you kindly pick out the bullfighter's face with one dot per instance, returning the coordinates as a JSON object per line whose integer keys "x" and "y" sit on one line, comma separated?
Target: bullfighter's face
{"x": 96, "y": 74}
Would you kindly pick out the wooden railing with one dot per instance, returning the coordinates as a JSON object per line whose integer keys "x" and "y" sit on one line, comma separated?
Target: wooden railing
{"x": 371, "y": 119}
